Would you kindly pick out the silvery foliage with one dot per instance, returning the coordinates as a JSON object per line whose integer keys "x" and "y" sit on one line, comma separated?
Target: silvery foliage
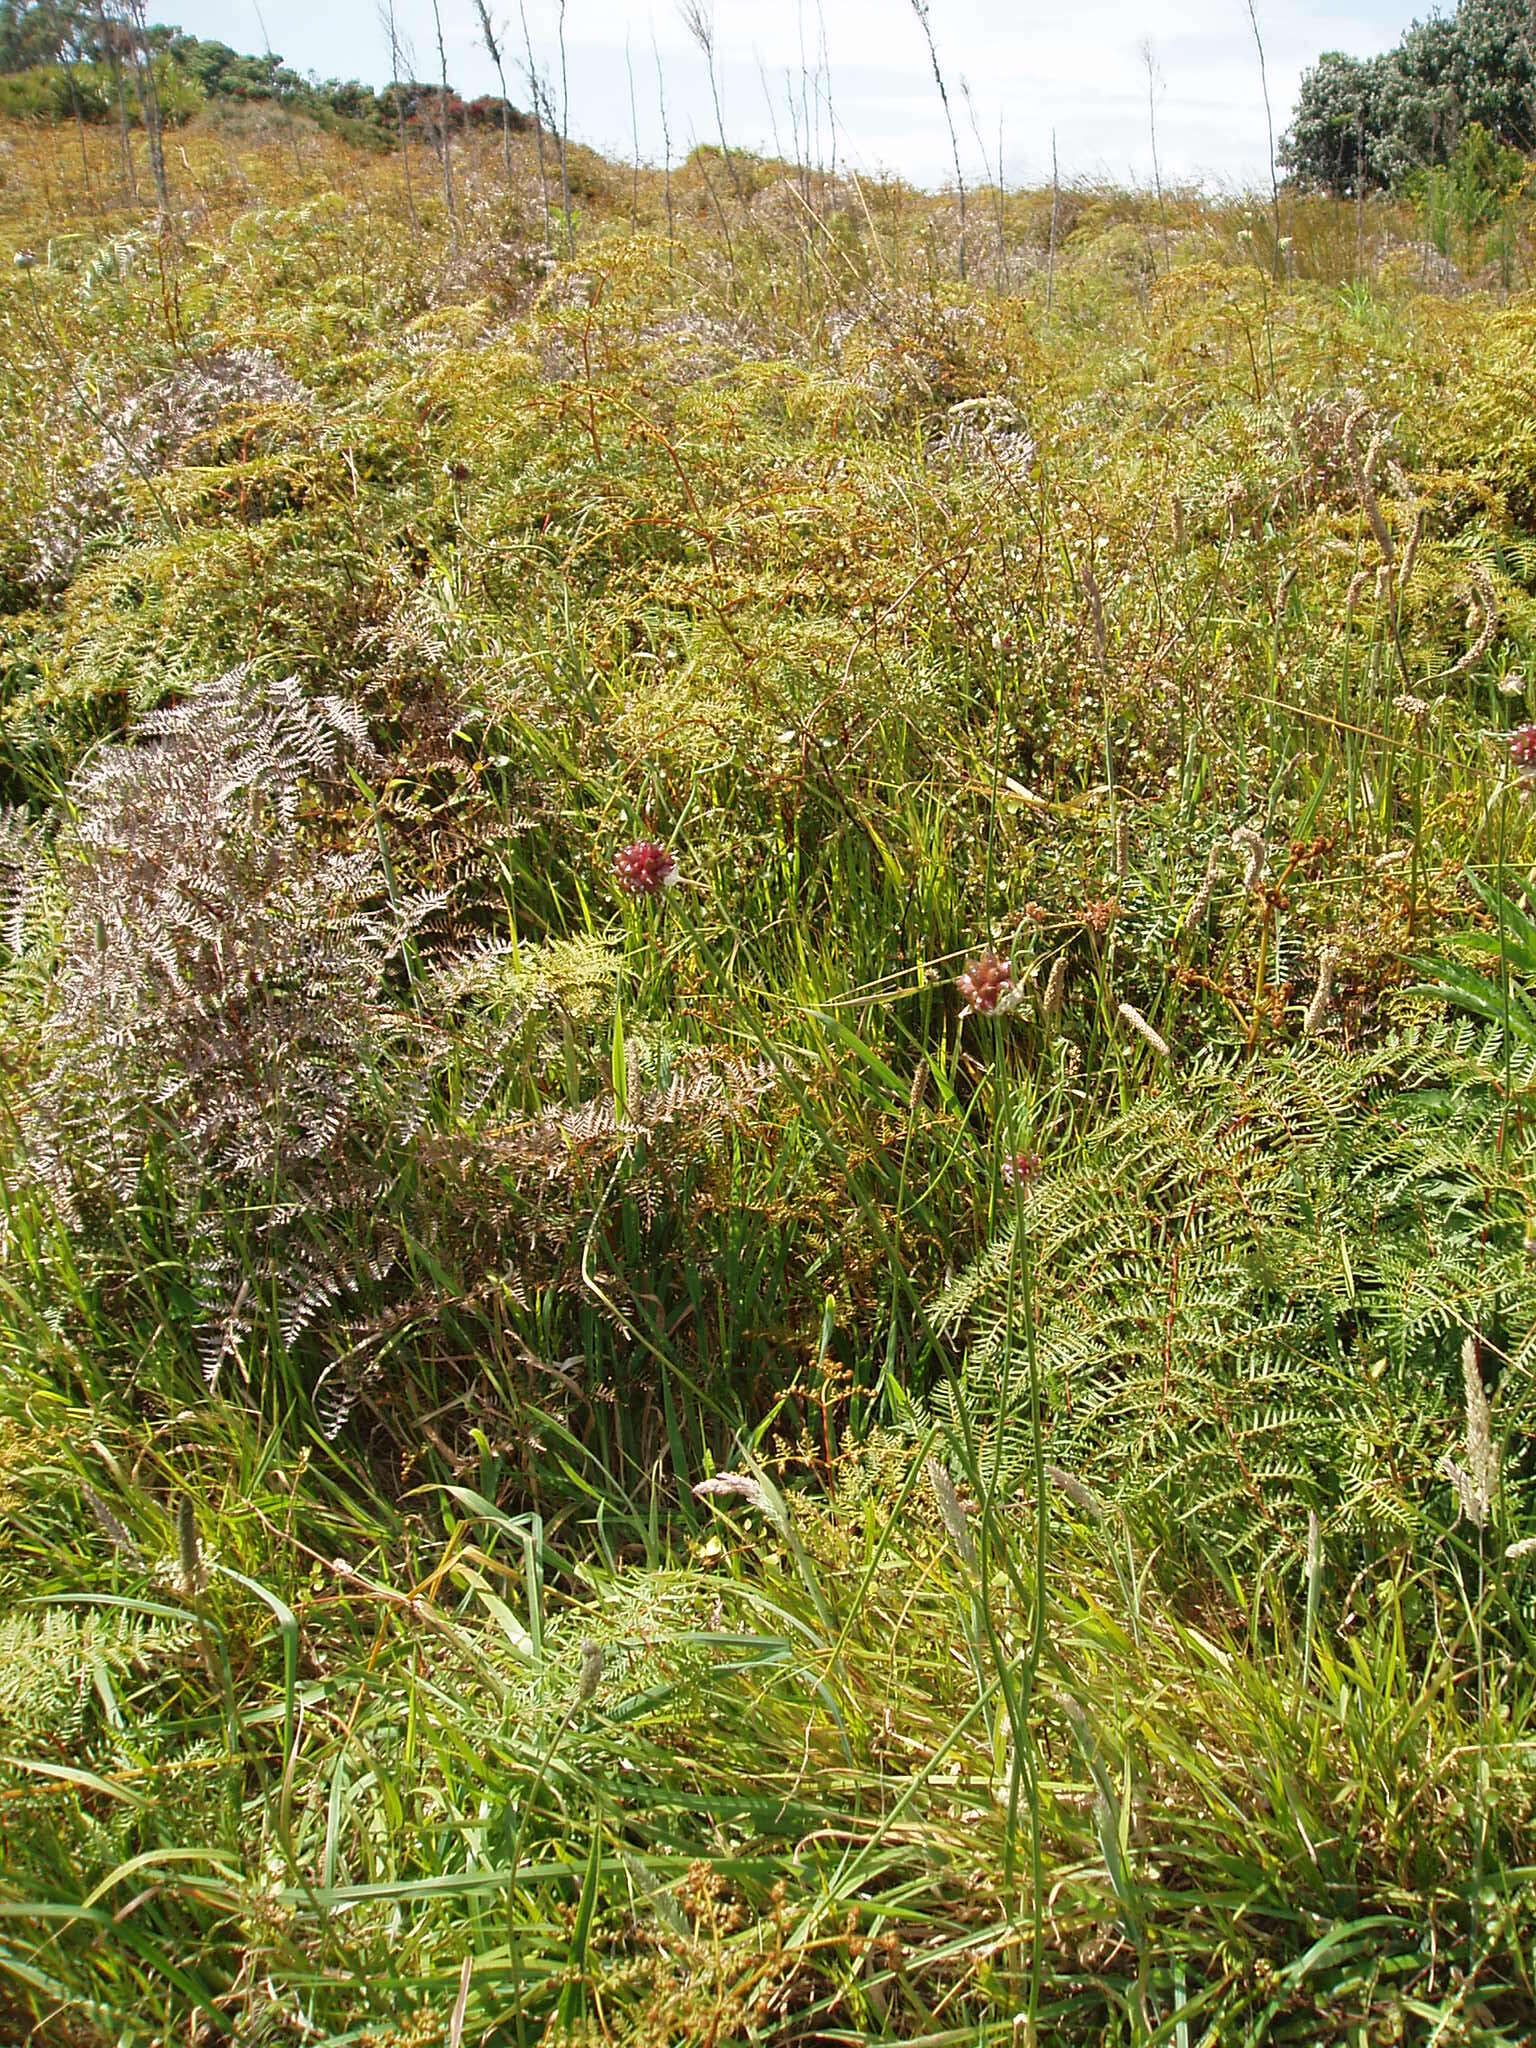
{"x": 212, "y": 977}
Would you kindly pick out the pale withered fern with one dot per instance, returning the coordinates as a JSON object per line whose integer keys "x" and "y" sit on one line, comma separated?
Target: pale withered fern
{"x": 215, "y": 995}
{"x": 144, "y": 436}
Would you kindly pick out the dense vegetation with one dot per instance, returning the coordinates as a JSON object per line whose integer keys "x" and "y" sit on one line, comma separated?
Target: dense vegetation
{"x": 768, "y": 1241}
{"x": 63, "y": 61}
{"x": 1381, "y": 121}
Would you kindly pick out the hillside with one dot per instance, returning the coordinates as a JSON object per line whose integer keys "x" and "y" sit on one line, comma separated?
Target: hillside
{"x": 767, "y": 1255}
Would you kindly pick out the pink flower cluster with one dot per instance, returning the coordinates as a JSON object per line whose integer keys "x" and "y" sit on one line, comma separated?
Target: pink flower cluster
{"x": 645, "y": 869}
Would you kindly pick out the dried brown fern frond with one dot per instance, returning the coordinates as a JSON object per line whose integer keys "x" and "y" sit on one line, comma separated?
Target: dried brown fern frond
{"x": 22, "y": 868}
{"x": 516, "y": 1207}
{"x": 218, "y": 995}
{"x": 143, "y": 437}
{"x": 989, "y": 434}
{"x": 684, "y": 1109}
{"x": 910, "y": 353}
{"x": 213, "y": 965}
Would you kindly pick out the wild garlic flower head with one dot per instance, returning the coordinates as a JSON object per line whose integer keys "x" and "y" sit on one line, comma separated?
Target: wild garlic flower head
{"x": 1019, "y": 1168}
{"x": 645, "y": 869}
{"x": 988, "y": 987}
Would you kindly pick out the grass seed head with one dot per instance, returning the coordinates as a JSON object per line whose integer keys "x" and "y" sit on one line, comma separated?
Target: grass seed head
{"x": 112, "y": 1528}
{"x": 1056, "y": 987}
{"x": 1251, "y": 844}
{"x": 1095, "y": 598}
{"x": 1476, "y": 1482}
{"x": 1081, "y": 1495}
{"x": 1132, "y": 1016}
{"x": 189, "y": 1552}
{"x": 1483, "y": 613}
{"x": 951, "y": 1510}
{"x": 1317, "y": 1009}
{"x": 1482, "y": 1458}
{"x": 1202, "y": 899}
{"x": 918, "y": 1089}
{"x": 591, "y": 1676}
{"x": 1363, "y": 469}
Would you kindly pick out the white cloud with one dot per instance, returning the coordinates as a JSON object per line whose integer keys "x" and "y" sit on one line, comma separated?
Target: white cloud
{"x": 1074, "y": 66}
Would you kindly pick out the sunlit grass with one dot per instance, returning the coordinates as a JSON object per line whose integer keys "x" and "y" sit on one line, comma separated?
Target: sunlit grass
{"x": 1085, "y": 1644}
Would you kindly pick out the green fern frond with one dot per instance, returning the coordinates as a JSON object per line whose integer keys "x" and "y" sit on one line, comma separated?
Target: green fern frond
{"x": 54, "y": 1660}
{"x": 1245, "y": 1287}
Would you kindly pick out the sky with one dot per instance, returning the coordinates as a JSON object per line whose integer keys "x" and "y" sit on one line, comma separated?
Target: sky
{"x": 1075, "y": 67}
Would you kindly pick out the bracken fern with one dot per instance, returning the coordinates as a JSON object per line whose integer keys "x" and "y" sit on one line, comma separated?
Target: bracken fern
{"x": 1250, "y": 1291}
